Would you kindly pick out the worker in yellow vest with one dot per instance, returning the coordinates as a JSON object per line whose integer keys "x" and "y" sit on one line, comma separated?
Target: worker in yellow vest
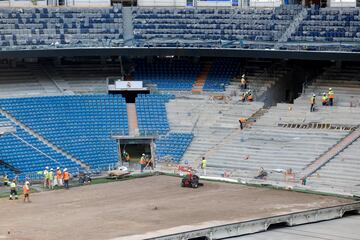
{"x": 51, "y": 179}
{"x": 324, "y": 99}
{"x": 142, "y": 162}
{"x": 312, "y": 103}
{"x": 331, "y": 96}
{"x": 203, "y": 165}
{"x": 13, "y": 190}
{"x": 46, "y": 177}
{"x": 243, "y": 83}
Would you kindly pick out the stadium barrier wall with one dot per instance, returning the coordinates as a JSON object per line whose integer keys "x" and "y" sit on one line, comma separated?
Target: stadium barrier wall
{"x": 265, "y": 3}
{"x": 342, "y": 3}
{"x": 163, "y": 3}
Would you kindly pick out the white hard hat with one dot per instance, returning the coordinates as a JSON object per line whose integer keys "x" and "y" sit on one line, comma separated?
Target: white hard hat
{"x": 314, "y": 95}
{"x": 27, "y": 183}
{"x": 51, "y": 169}
{"x": 143, "y": 154}
{"x": 57, "y": 168}
{"x": 330, "y": 89}
{"x": 65, "y": 169}
{"x": 243, "y": 75}
{"x": 46, "y": 167}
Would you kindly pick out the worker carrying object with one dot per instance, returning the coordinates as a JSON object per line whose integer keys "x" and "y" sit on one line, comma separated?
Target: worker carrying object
{"x": 331, "y": 96}
{"x": 26, "y": 190}
{"x": 242, "y": 121}
{"x": 312, "y": 103}
{"x": 13, "y": 190}
{"x": 324, "y": 99}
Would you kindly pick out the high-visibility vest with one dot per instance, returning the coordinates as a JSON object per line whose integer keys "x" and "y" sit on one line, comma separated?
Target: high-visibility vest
{"x": 242, "y": 120}
{"x": 26, "y": 189}
{"x": 142, "y": 161}
{"x": 250, "y": 97}
{"x": 13, "y": 185}
{"x": 243, "y": 81}
{"x": 331, "y": 94}
{"x": 58, "y": 174}
{"x": 51, "y": 175}
{"x": 46, "y": 174}
{"x": 312, "y": 100}
{"x": 66, "y": 176}
{"x": 203, "y": 163}
{"x": 324, "y": 99}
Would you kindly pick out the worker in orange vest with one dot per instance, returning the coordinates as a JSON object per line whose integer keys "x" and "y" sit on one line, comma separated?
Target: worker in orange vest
{"x": 242, "y": 121}
{"x": 331, "y": 96}
{"x": 249, "y": 96}
{"x": 26, "y": 190}
{"x": 66, "y": 177}
{"x": 59, "y": 177}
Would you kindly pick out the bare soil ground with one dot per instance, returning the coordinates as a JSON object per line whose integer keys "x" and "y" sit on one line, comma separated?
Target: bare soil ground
{"x": 117, "y": 209}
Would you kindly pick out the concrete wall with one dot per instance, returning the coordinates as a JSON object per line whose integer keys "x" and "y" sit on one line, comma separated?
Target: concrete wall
{"x": 44, "y": 3}
{"x": 342, "y": 3}
{"x": 265, "y": 3}
{"x": 161, "y": 3}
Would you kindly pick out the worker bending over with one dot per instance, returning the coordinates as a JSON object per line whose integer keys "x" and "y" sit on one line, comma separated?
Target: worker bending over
{"x": 242, "y": 121}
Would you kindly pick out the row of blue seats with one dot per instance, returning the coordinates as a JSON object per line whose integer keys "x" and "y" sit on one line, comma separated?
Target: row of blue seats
{"x": 173, "y": 145}
{"x": 87, "y": 135}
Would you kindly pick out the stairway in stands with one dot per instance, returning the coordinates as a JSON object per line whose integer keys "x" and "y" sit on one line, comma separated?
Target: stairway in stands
{"x": 43, "y": 140}
{"x": 132, "y": 119}
{"x": 201, "y": 78}
{"x": 331, "y": 153}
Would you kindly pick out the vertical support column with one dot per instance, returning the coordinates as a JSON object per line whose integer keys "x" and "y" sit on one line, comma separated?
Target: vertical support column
{"x": 153, "y": 152}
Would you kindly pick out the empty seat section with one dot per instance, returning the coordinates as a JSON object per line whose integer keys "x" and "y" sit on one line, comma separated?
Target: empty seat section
{"x": 221, "y": 72}
{"x": 173, "y": 145}
{"x": 167, "y": 74}
{"x": 80, "y": 125}
{"x": 34, "y": 28}
{"x": 151, "y": 113}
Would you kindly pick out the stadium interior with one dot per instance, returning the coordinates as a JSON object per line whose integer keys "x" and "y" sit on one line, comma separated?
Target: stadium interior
{"x": 82, "y": 111}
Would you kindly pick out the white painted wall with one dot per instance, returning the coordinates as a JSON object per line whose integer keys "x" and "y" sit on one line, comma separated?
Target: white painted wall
{"x": 89, "y": 3}
{"x": 27, "y": 3}
{"x": 227, "y": 3}
{"x": 265, "y": 3}
{"x": 342, "y": 3}
{"x": 161, "y": 3}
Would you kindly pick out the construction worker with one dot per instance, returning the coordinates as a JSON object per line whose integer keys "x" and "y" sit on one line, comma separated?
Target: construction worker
{"x": 26, "y": 190}
{"x": 249, "y": 96}
{"x": 13, "y": 190}
{"x": 6, "y": 180}
{"x": 312, "y": 103}
{"x": 46, "y": 177}
{"x": 126, "y": 156}
{"x": 59, "y": 177}
{"x": 243, "y": 97}
{"x": 242, "y": 121}
{"x": 324, "y": 99}
{"x": 51, "y": 179}
{"x": 66, "y": 177}
{"x": 142, "y": 162}
{"x": 331, "y": 96}
{"x": 243, "y": 83}
{"x": 203, "y": 165}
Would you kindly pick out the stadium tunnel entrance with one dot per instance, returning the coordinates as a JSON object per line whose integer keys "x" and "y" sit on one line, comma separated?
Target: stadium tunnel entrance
{"x": 130, "y": 149}
{"x": 130, "y": 96}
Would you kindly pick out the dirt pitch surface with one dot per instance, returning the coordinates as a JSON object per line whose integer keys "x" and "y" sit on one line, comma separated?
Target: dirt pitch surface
{"x": 138, "y": 206}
